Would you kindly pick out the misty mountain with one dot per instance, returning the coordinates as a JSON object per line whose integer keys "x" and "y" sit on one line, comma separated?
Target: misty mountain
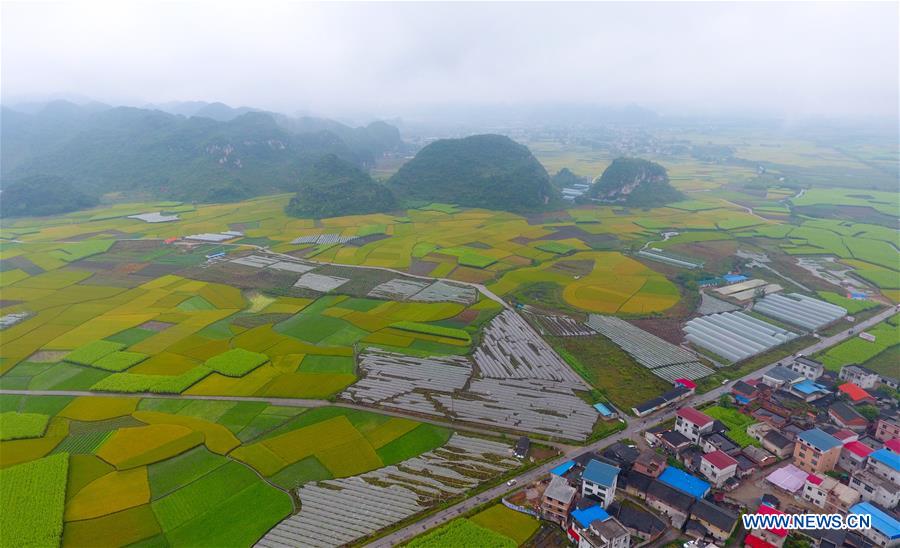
{"x": 635, "y": 182}
{"x": 159, "y": 154}
{"x": 202, "y": 109}
{"x": 489, "y": 171}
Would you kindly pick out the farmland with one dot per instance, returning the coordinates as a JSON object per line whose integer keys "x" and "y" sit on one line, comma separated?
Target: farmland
{"x": 497, "y": 526}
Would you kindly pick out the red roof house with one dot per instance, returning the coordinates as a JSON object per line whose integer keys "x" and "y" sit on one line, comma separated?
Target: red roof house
{"x": 856, "y": 394}
{"x": 753, "y": 541}
{"x": 764, "y": 509}
{"x": 720, "y": 459}
{"x": 696, "y": 417}
{"x": 893, "y": 445}
{"x": 858, "y": 448}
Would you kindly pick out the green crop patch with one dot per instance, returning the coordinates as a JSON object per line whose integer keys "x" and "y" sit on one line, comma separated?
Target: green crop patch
{"x": 119, "y": 361}
{"x": 429, "y": 329}
{"x": 556, "y": 247}
{"x": 33, "y": 497}
{"x": 15, "y": 425}
{"x": 170, "y": 475}
{"x": 236, "y": 362}
{"x": 462, "y": 532}
{"x": 421, "y": 439}
{"x": 736, "y": 422}
{"x": 328, "y": 364}
{"x": 91, "y": 352}
{"x": 515, "y": 525}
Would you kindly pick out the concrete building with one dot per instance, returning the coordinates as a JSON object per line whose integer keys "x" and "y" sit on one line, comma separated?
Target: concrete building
{"x": 781, "y": 377}
{"x": 557, "y": 500}
{"x": 599, "y": 480}
{"x": 649, "y": 463}
{"x": 718, "y": 522}
{"x": 829, "y": 494}
{"x": 772, "y": 537}
{"x": 675, "y": 504}
{"x": 692, "y": 424}
{"x": 816, "y": 451}
{"x": 872, "y": 487}
{"x": 718, "y": 467}
{"x": 593, "y": 527}
{"x": 887, "y": 428}
{"x": 854, "y": 455}
{"x": 845, "y": 416}
{"x": 777, "y": 444}
{"x": 863, "y": 377}
{"x": 811, "y": 369}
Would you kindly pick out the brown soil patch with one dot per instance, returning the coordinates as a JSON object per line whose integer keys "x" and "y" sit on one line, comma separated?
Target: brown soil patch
{"x": 154, "y": 325}
{"x": 561, "y": 216}
{"x": 471, "y": 275}
{"x": 517, "y": 260}
{"x": 47, "y": 356}
{"x": 573, "y": 268}
{"x": 466, "y": 316}
{"x": 136, "y": 245}
{"x": 717, "y": 255}
{"x": 422, "y": 268}
{"x": 668, "y": 329}
{"x": 521, "y": 240}
{"x": 129, "y": 268}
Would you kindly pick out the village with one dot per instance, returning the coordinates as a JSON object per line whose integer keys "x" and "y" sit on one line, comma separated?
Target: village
{"x": 798, "y": 439}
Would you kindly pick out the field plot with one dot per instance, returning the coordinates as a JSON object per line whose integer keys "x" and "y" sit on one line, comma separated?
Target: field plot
{"x": 735, "y": 335}
{"x": 319, "y": 282}
{"x": 338, "y": 512}
{"x": 861, "y": 351}
{"x": 562, "y": 326}
{"x": 606, "y": 282}
{"x": 736, "y": 422}
{"x": 32, "y": 496}
{"x": 662, "y": 358}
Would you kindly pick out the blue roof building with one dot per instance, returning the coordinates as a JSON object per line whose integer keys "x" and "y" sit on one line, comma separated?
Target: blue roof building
{"x": 603, "y": 410}
{"x": 881, "y": 521}
{"x": 586, "y": 516}
{"x": 887, "y": 458}
{"x": 600, "y": 473}
{"x": 819, "y": 439}
{"x": 734, "y": 278}
{"x": 679, "y": 479}
{"x": 563, "y": 468}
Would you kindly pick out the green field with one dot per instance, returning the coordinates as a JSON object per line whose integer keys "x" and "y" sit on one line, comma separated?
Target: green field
{"x": 736, "y": 422}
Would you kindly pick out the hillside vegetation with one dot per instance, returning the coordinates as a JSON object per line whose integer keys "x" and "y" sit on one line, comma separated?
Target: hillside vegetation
{"x": 334, "y": 187}
{"x": 635, "y": 182}
{"x": 40, "y": 195}
{"x": 489, "y": 171}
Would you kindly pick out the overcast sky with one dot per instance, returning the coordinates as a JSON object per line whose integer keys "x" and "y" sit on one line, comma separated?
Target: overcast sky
{"x": 794, "y": 59}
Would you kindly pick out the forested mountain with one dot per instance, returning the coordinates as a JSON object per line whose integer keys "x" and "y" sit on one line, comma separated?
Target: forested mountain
{"x": 334, "y": 187}
{"x": 635, "y": 182}
{"x": 162, "y": 155}
{"x": 490, "y": 171}
{"x": 42, "y": 195}
{"x": 565, "y": 178}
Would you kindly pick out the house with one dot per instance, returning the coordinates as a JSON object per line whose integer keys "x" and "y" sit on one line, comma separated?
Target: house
{"x": 649, "y": 463}
{"x": 557, "y": 500}
{"x": 758, "y": 430}
{"x": 593, "y": 527}
{"x": 640, "y": 523}
{"x": 563, "y": 468}
{"x": 886, "y": 464}
{"x": 811, "y": 369}
{"x": 855, "y": 394}
{"x": 719, "y": 442}
{"x": 872, "y": 487}
{"x": 887, "y": 428}
{"x": 829, "y": 494}
{"x": 860, "y": 376}
{"x": 854, "y": 455}
{"x": 675, "y": 504}
{"x": 893, "y": 446}
{"x": 599, "y": 480}
{"x": 816, "y": 451}
{"x": 777, "y": 444}
{"x": 760, "y": 457}
{"x": 718, "y": 467}
{"x": 692, "y": 423}
{"x": 773, "y": 537}
{"x": 681, "y": 480}
{"x": 846, "y": 417}
{"x": 605, "y": 411}
{"x": 744, "y": 393}
{"x": 885, "y": 529}
{"x": 808, "y": 390}
{"x": 652, "y": 434}
{"x": 719, "y": 522}
{"x": 676, "y": 394}
{"x": 621, "y": 455}
{"x": 844, "y": 435}
{"x": 636, "y": 484}
{"x": 780, "y": 376}
{"x": 523, "y": 445}
{"x": 745, "y": 465}
{"x": 674, "y": 442}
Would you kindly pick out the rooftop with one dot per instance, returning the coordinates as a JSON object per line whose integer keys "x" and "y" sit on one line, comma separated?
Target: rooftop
{"x": 586, "y": 516}
{"x": 854, "y": 392}
{"x": 782, "y": 374}
{"x": 887, "y": 458}
{"x": 881, "y": 521}
{"x": 715, "y": 515}
{"x": 694, "y": 416}
{"x": 671, "y": 496}
{"x": 808, "y": 387}
{"x": 803, "y": 360}
{"x": 764, "y": 509}
{"x": 845, "y": 413}
{"x": 858, "y": 448}
{"x": 674, "y": 438}
{"x": 777, "y": 439}
{"x": 790, "y": 478}
{"x": 683, "y": 481}
{"x": 609, "y": 529}
{"x": 559, "y": 489}
{"x": 603, "y": 409}
{"x": 600, "y": 473}
{"x": 687, "y": 383}
{"x": 562, "y": 468}
{"x": 720, "y": 459}
{"x": 741, "y": 387}
{"x": 635, "y": 518}
{"x": 819, "y": 439}
{"x": 893, "y": 445}
{"x": 754, "y": 541}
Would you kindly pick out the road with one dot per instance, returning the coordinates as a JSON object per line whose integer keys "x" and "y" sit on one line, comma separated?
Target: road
{"x": 635, "y": 427}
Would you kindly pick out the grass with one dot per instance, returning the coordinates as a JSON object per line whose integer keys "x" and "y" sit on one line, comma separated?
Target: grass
{"x": 853, "y": 306}
{"x": 515, "y": 525}
{"x": 736, "y": 422}
{"x": 33, "y": 496}
{"x": 610, "y": 370}
{"x": 462, "y": 532}
{"x": 91, "y": 352}
{"x": 15, "y": 425}
{"x": 236, "y": 362}
{"x": 857, "y": 350}
{"x": 419, "y": 440}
